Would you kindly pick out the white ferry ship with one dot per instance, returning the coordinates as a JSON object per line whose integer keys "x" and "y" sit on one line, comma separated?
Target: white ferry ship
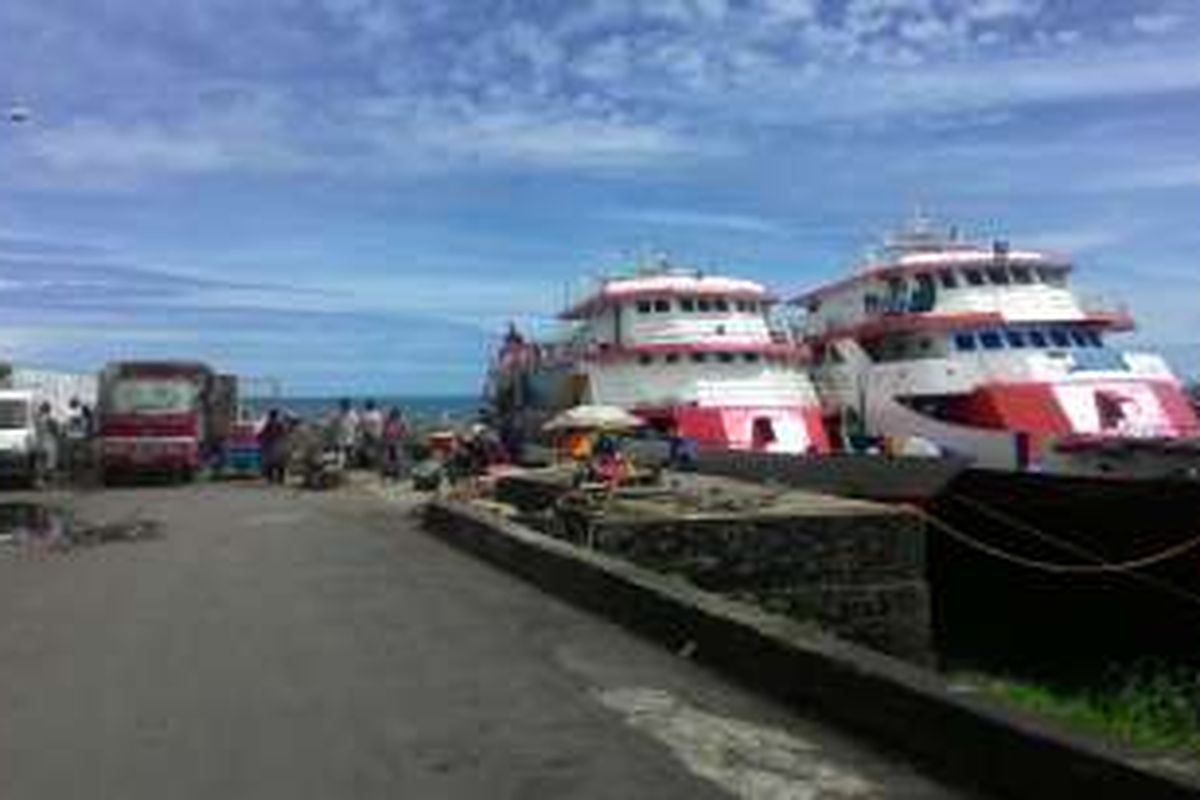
{"x": 681, "y": 349}
{"x": 986, "y": 351}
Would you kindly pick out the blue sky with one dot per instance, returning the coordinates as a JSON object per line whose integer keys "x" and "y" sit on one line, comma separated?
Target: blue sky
{"x": 355, "y": 195}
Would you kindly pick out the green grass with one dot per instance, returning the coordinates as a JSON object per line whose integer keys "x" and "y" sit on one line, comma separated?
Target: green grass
{"x": 1149, "y": 706}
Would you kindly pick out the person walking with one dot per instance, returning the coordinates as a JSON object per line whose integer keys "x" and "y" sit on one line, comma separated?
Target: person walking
{"x": 395, "y": 435}
{"x": 272, "y": 442}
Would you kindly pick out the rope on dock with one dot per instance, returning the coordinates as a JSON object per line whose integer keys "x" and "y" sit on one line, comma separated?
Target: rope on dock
{"x": 1099, "y": 567}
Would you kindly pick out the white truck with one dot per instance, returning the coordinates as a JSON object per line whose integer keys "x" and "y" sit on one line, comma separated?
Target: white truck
{"x": 22, "y": 451}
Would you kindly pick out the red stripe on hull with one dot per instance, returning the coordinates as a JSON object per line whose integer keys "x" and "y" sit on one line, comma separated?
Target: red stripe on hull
{"x": 733, "y": 428}
{"x": 1037, "y": 409}
{"x": 1177, "y": 408}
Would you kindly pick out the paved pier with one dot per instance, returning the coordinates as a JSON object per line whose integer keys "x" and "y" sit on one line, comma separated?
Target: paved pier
{"x": 276, "y": 644}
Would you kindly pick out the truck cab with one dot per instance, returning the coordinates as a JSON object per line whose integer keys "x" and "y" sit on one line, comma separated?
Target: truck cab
{"x": 21, "y": 446}
{"x": 163, "y": 417}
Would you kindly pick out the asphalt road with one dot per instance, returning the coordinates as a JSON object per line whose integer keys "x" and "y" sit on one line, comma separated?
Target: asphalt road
{"x": 275, "y": 644}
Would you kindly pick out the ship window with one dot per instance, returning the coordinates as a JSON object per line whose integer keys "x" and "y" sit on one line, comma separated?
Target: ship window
{"x": 1059, "y": 337}
{"x": 1094, "y": 339}
{"x": 991, "y": 340}
{"x": 703, "y": 305}
{"x": 1021, "y": 275}
{"x": 1078, "y": 339}
{"x": 870, "y": 304}
{"x": 750, "y": 358}
{"x": 948, "y": 278}
{"x": 964, "y": 341}
{"x": 720, "y": 304}
{"x": 643, "y": 306}
{"x": 924, "y": 295}
{"x": 687, "y": 304}
{"x": 1014, "y": 338}
{"x": 752, "y": 306}
{"x": 1037, "y": 338}
{"x": 662, "y": 305}
{"x": 672, "y": 358}
{"x": 925, "y": 344}
{"x": 725, "y": 358}
{"x": 974, "y": 277}
{"x": 1053, "y": 277}
{"x": 699, "y": 358}
{"x": 998, "y": 275}
{"x": 645, "y": 360}
{"x": 740, "y": 305}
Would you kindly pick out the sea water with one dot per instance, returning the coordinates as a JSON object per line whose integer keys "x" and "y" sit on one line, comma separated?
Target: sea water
{"x": 420, "y": 408}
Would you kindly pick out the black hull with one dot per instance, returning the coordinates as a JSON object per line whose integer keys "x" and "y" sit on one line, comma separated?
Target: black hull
{"x": 998, "y": 610}
{"x": 991, "y": 605}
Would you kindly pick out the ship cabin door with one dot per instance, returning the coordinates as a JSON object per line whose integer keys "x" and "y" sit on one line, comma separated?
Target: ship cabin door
{"x": 762, "y": 434}
{"x": 577, "y": 389}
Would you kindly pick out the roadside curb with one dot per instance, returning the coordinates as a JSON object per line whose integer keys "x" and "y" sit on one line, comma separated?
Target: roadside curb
{"x": 903, "y": 708}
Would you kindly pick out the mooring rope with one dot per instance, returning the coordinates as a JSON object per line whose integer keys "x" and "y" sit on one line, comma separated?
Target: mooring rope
{"x": 1101, "y": 566}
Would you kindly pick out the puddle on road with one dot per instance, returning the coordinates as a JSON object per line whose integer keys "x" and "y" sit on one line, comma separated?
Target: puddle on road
{"x": 749, "y": 761}
{"x": 34, "y": 526}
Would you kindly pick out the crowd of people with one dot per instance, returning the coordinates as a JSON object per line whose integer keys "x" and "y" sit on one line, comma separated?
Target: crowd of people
{"x": 374, "y": 440}
{"x": 347, "y": 438}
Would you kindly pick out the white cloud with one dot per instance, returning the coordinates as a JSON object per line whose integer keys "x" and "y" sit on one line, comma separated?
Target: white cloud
{"x": 1184, "y": 175}
{"x": 683, "y": 218}
{"x": 1156, "y": 23}
{"x": 564, "y": 141}
{"x": 96, "y": 145}
{"x": 610, "y": 60}
{"x": 991, "y": 10}
{"x": 962, "y": 89}
{"x": 1070, "y": 241}
{"x": 790, "y": 10}
{"x": 711, "y": 10}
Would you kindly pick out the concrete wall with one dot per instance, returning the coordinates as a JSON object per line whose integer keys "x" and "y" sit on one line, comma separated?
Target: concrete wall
{"x": 860, "y": 576}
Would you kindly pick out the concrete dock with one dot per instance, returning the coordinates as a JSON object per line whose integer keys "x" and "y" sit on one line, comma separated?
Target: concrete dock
{"x": 277, "y": 644}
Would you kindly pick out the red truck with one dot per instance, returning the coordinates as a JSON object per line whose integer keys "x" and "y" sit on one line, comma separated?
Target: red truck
{"x": 162, "y": 417}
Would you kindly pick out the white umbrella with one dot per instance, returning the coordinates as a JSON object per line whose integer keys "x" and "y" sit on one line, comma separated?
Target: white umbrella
{"x": 592, "y": 417}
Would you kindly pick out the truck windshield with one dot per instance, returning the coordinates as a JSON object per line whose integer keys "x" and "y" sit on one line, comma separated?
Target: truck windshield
{"x": 153, "y": 396}
{"x": 13, "y": 414}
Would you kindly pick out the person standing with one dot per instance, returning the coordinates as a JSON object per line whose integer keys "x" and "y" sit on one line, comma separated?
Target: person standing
{"x": 75, "y": 440}
{"x": 48, "y": 433}
{"x": 395, "y": 434}
{"x": 346, "y": 425}
{"x": 372, "y": 435}
{"x": 272, "y": 443}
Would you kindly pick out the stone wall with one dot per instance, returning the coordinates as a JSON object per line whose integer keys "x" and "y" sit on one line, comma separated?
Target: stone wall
{"x": 860, "y": 576}
{"x": 854, "y": 568}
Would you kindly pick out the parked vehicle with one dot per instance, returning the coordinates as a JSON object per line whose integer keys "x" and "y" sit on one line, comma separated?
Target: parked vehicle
{"x": 241, "y": 455}
{"x": 162, "y": 417}
{"x": 21, "y": 449}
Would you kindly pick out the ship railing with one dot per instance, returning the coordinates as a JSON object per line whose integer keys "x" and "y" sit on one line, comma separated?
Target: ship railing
{"x": 1102, "y": 304}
